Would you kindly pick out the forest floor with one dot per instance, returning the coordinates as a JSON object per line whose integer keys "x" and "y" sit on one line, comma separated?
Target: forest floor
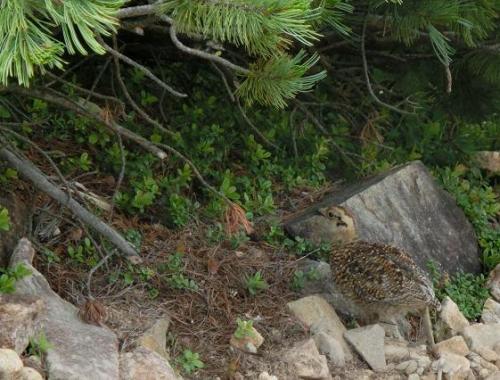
{"x": 202, "y": 318}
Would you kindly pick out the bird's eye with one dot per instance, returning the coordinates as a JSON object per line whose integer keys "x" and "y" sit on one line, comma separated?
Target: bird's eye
{"x": 331, "y": 214}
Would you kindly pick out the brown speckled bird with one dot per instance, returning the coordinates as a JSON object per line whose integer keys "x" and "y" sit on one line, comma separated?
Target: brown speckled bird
{"x": 378, "y": 278}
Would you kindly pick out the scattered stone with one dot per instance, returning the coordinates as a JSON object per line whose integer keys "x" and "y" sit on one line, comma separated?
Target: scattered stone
{"x": 414, "y": 376}
{"x": 307, "y": 361}
{"x": 493, "y": 283}
{"x": 266, "y": 376}
{"x": 396, "y": 351}
{"x": 487, "y": 354}
{"x": 455, "y": 345}
{"x": 78, "y": 350}
{"x": 408, "y": 367}
{"x": 368, "y": 341}
{"x": 20, "y": 320}
{"x": 155, "y": 338}
{"x": 404, "y": 207}
{"x": 249, "y": 343}
{"x": 494, "y": 376}
{"x": 451, "y": 321}
{"x": 491, "y": 311}
{"x": 144, "y": 364}
{"x": 452, "y": 364}
{"x": 318, "y": 315}
{"x": 34, "y": 362}
{"x": 330, "y": 347}
{"x": 488, "y": 160}
{"x": 28, "y": 373}
{"x": 482, "y": 336}
{"x": 482, "y": 366}
{"x": 9, "y": 363}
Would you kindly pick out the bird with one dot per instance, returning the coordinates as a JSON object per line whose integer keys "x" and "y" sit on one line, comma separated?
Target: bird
{"x": 380, "y": 279}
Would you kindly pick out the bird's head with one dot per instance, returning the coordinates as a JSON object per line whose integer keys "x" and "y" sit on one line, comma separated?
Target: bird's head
{"x": 342, "y": 223}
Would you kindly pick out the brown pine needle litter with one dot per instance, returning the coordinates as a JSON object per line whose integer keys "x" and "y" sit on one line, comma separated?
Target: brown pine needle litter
{"x": 236, "y": 218}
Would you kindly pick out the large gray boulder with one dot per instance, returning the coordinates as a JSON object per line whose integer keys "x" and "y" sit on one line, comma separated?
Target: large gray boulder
{"x": 403, "y": 207}
{"x": 78, "y": 351}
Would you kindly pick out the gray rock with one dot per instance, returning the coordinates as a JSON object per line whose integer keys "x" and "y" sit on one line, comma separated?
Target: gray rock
{"x": 452, "y": 364}
{"x": 79, "y": 351}
{"x": 144, "y": 364}
{"x": 9, "y": 363}
{"x": 368, "y": 341}
{"x": 408, "y": 367}
{"x": 155, "y": 338}
{"x": 307, "y": 361}
{"x": 28, "y": 373}
{"x": 330, "y": 347}
{"x": 451, "y": 321}
{"x": 266, "y": 376}
{"x": 488, "y": 160}
{"x": 494, "y": 376}
{"x": 318, "y": 315}
{"x": 482, "y": 336}
{"x": 455, "y": 345}
{"x": 493, "y": 283}
{"x": 406, "y": 208}
{"x": 491, "y": 311}
{"x": 19, "y": 320}
{"x": 396, "y": 351}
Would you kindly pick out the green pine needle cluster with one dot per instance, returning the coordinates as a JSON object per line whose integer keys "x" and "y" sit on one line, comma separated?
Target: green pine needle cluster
{"x": 27, "y": 28}
{"x": 469, "y": 21}
{"x": 273, "y": 81}
{"x": 261, "y": 27}
{"x": 266, "y": 29}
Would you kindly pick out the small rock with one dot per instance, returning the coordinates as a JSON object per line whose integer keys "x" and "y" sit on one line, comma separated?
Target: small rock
{"x": 478, "y": 362}
{"x": 155, "y": 338}
{"x": 451, "y": 321}
{"x": 451, "y": 364}
{"x": 455, "y": 345}
{"x": 20, "y": 320}
{"x": 28, "y": 373}
{"x": 368, "y": 341}
{"x": 330, "y": 347}
{"x": 249, "y": 343}
{"x": 493, "y": 283}
{"x": 9, "y": 363}
{"x": 144, "y": 364}
{"x": 488, "y": 354}
{"x": 414, "y": 376}
{"x": 307, "y": 361}
{"x": 482, "y": 336}
{"x": 34, "y": 362}
{"x": 488, "y": 160}
{"x": 396, "y": 351}
{"x": 266, "y": 376}
{"x": 316, "y": 313}
{"x": 491, "y": 311}
{"x": 494, "y": 376}
{"x": 408, "y": 367}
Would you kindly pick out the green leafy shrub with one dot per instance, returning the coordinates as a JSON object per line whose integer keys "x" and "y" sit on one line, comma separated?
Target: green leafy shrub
{"x": 244, "y": 329}
{"x": 255, "y": 283}
{"x": 467, "y": 290}
{"x": 8, "y": 277}
{"x": 4, "y": 219}
{"x": 190, "y": 361}
{"x": 480, "y": 204}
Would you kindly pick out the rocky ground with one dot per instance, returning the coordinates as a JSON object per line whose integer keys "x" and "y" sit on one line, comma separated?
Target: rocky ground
{"x": 306, "y": 334}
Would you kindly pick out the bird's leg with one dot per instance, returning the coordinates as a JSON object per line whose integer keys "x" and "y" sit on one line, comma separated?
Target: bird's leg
{"x": 426, "y": 318}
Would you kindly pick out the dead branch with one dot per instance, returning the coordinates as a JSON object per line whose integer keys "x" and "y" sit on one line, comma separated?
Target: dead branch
{"x": 89, "y": 109}
{"x": 142, "y": 68}
{"x": 39, "y": 180}
{"x": 201, "y": 54}
{"x": 367, "y": 77}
